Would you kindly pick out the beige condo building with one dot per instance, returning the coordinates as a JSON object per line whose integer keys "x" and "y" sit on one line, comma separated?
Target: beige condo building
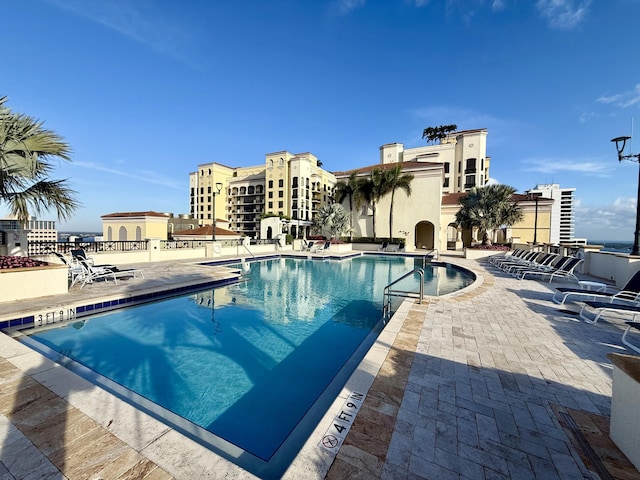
{"x": 292, "y": 186}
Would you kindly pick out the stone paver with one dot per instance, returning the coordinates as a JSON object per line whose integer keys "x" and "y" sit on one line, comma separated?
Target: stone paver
{"x": 490, "y": 369}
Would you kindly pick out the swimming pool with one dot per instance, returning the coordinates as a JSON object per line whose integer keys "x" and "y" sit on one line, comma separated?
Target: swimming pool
{"x": 245, "y": 362}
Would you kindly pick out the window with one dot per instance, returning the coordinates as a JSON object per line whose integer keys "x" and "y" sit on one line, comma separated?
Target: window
{"x": 270, "y": 183}
{"x": 270, "y": 205}
{"x": 270, "y": 194}
{"x": 281, "y": 183}
{"x": 280, "y": 204}
{"x": 201, "y": 190}
{"x": 471, "y": 165}
{"x": 446, "y": 183}
{"x": 209, "y": 189}
{"x": 295, "y": 182}
{"x": 294, "y": 215}
{"x": 446, "y": 167}
{"x": 280, "y": 194}
{"x": 281, "y": 162}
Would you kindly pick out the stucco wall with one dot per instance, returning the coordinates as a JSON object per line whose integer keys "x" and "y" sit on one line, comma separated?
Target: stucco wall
{"x": 25, "y": 283}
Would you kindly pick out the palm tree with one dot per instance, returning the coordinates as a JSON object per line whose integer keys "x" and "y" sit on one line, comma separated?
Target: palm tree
{"x": 488, "y": 208}
{"x": 394, "y": 179}
{"x": 332, "y": 217}
{"x": 25, "y": 150}
{"x": 370, "y": 190}
{"x": 348, "y": 190}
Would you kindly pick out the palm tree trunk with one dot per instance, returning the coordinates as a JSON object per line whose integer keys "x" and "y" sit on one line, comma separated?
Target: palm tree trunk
{"x": 393, "y": 192}
{"x": 373, "y": 208}
{"x": 350, "y": 219}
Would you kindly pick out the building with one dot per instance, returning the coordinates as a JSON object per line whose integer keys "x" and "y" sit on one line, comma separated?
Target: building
{"x": 292, "y": 186}
{"x": 134, "y": 226}
{"x": 562, "y": 212}
{"x": 463, "y": 155}
{"x": 455, "y": 165}
{"x": 416, "y": 218}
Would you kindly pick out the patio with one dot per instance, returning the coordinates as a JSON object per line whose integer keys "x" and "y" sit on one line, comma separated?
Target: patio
{"x": 496, "y": 382}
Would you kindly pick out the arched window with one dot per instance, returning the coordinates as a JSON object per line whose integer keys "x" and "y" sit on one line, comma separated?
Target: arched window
{"x": 109, "y": 234}
{"x": 122, "y": 234}
{"x": 138, "y": 233}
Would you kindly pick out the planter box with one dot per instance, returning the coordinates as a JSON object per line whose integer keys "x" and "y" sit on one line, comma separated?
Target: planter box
{"x": 625, "y": 422}
{"x": 25, "y": 283}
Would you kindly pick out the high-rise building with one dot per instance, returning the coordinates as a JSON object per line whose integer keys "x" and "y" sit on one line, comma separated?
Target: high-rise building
{"x": 562, "y": 211}
{"x": 288, "y": 185}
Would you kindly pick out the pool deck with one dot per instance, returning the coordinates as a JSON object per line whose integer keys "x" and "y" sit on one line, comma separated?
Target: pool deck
{"x": 494, "y": 382}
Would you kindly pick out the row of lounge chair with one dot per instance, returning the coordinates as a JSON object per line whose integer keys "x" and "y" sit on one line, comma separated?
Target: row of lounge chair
{"x": 539, "y": 265}
{"x": 604, "y": 299}
{"x": 83, "y": 270}
{"x": 623, "y": 302}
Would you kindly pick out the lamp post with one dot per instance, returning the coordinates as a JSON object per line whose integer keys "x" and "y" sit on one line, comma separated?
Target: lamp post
{"x": 213, "y": 228}
{"x": 620, "y": 144}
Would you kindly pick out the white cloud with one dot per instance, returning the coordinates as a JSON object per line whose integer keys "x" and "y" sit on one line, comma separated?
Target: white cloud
{"x": 138, "y": 21}
{"x": 563, "y": 14}
{"x": 344, "y": 7}
{"x": 623, "y": 100}
{"x": 146, "y": 176}
{"x": 615, "y": 221}
{"x": 586, "y": 116}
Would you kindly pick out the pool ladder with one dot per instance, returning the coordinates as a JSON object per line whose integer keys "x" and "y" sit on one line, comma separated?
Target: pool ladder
{"x": 389, "y": 292}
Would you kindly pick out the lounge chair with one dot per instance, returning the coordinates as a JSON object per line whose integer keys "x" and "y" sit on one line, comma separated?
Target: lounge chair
{"x": 537, "y": 261}
{"x": 383, "y": 247}
{"x": 321, "y": 247}
{"x": 543, "y": 263}
{"x": 523, "y": 259}
{"x": 92, "y": 272}
{"x": 508, "y": 257}
{"x": 625, "y": 341}
{"x": 563, "y": 269}
{"x": 600, "y": 308}
{"x": 76, "y": 272}
{"x": 630, "y": 292}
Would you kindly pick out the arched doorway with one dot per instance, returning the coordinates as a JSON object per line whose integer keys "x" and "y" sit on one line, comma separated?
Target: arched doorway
{"x": 425, "y": 235}
{"x": 269, "y": 233}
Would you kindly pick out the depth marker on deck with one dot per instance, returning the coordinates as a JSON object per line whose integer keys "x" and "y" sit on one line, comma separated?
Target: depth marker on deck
{"x": 337, "y": 432}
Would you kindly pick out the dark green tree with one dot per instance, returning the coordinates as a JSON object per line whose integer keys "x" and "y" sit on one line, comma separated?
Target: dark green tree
{"x": 395, "y": 179}
{"x": 433, "y": 134}
{"x": 487, "y": 209}
{"x": 348, "y": 190}
{"x": 26, "y": 152}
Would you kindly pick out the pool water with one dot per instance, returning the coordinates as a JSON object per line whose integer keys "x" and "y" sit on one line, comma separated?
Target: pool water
{"x": 245, "y": 361}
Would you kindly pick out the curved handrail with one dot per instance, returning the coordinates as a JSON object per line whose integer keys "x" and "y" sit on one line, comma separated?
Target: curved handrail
{"x": 387, "y": 293}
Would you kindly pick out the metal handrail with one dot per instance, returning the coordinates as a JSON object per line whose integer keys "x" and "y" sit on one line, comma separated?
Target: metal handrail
{"x": 388, "y": 293}
{"x": 426, "y": 256}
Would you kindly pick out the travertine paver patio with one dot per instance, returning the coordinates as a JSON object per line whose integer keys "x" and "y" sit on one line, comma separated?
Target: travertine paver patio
{"x": 472, "y": 387}
{"x": 475, "y": 386}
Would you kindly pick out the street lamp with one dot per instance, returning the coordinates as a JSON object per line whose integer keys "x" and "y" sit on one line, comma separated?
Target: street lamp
{"x": 620, "y": 144}
{"x": 213, "y": 228}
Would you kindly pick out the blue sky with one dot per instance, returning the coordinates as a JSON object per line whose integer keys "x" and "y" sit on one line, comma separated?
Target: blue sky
{"x": 146, "y": 90}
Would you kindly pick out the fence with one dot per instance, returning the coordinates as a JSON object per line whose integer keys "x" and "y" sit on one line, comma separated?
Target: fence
{"x": 42, "y": 248}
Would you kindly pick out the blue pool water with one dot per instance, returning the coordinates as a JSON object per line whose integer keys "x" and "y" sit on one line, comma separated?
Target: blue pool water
{"x": 245, "y": 361}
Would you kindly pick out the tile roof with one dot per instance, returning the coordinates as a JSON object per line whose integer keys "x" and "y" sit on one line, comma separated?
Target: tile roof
{"x": 406, "y": 166}
{"x": 135, "y": 214}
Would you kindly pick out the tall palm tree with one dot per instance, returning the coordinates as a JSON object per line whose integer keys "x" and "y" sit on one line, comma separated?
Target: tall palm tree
{"x": 348, "y": 190}
{"x": 488, "y": 208}
{"x": 370, "y": 190}
{"x": 25, "y": 150}
{"x": 394, "y": 179}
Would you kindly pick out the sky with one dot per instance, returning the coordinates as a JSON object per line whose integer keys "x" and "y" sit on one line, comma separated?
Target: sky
{"x": 144, "y": 91}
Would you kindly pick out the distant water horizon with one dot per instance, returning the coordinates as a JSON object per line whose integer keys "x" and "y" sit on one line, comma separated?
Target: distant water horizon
{"x": 613, "y": 246}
